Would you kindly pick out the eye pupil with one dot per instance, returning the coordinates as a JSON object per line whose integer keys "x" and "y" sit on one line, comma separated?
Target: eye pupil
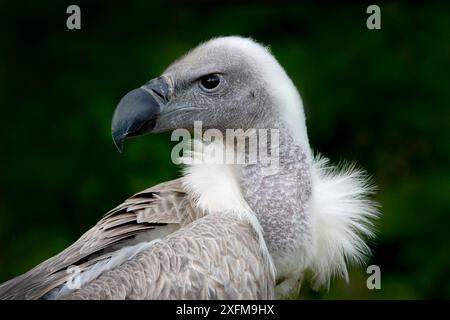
{"x": 210, "y": 82}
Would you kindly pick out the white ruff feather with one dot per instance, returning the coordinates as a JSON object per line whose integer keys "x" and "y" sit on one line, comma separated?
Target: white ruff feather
{"x": 215, "y": 189}
{"x": 342, "y": 217}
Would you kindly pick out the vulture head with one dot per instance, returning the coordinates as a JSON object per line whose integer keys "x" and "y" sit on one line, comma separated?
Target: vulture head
{"x": 226, "y": 83}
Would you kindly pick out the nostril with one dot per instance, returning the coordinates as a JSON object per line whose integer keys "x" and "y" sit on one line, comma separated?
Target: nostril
{"x": 159, "y": 94}
{"x": 159, "y": 87}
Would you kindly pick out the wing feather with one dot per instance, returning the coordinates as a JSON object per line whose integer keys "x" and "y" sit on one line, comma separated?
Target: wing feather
{"x": 189, "y": 264}
{"x": 140, "y": 213}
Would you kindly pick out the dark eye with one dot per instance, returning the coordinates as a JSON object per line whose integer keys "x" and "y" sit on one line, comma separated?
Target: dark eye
{"x": 210, "y": 82}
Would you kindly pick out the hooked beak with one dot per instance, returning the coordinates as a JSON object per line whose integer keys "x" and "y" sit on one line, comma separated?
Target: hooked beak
{"x": 137, "y": 112}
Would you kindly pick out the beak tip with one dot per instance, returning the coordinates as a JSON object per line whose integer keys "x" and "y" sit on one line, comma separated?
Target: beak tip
{"x": 118, "y": 142}
{"x": 120, "y": 149}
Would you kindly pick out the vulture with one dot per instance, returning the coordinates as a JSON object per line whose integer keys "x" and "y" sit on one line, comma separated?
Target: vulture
{"x": 230, "y": 230}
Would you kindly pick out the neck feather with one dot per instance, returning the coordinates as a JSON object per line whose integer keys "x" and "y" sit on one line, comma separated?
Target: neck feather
{"x": 280, "y": 200}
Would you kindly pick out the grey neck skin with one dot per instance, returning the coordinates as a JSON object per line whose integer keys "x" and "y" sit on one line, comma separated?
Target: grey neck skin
{"x": 279, "y": 200}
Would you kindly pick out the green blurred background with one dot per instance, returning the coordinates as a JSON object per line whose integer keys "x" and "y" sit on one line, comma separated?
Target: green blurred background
{"x": 380, "y": 98}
